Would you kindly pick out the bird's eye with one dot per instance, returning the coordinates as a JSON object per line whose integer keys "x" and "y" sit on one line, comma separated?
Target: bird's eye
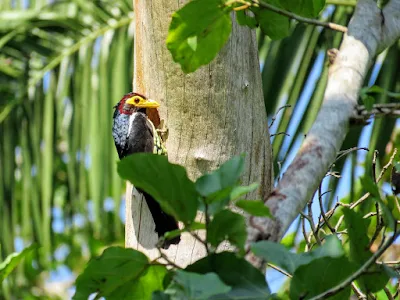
{"x": 137, "y": 100}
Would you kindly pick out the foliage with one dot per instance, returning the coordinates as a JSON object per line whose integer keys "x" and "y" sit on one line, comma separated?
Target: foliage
{"x": 13, "y": 260}
{"x": 62, "y": 68}
{"x": 200, "y": 29}
{"x": 119, "y": 273}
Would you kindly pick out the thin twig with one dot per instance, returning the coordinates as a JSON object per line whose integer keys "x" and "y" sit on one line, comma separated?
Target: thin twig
{"x": 311, "y": 220}
{"x": 357, "y": 291}
{"x": 384, "y": 169}
{"x": 313, "y": 231}
{"x": 369, "y": 215}
{"x": 169, "y": 262}
{"x": 388, "y": 294}
{"x": 321, "y": 206}
{"x": 279, "y": 270}
{"x": 196, "y": 237}
{"x": 207, "y": 216}
{"x": 379, "y": 221}
{"x": 347, "y": 151}
{"x": 339, "y": 222}
{"x": 277, "y": 112}
{"x": 303, "y": 227}
{"x": 389, "y": 262}
{"x": 374, "y": 165}
{"x": 280, "y": 133}
{"x": 386, "y": 109}
{"x": 397, "y": 290}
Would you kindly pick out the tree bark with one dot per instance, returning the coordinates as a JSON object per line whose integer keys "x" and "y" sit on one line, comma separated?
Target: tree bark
{"x": 370, "y": 31}
{"x": 211, "y": 115}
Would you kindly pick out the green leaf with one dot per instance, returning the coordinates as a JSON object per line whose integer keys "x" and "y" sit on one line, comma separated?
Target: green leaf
{"x": 280, "y": 256}
{"x": 120, "y": 273}
{"x": 272, "y": 24}
{"x": 246, "y": 281}
{"x": 227, "y": 225}
{"x": 397, "y": 166}
{"x": 369, "y": 185}
{"x": 368, "y": 102}
{"x": 245, "y": 19}
{"x": 254, "y": 208}
{"x": 12, "y": 261}
{"x": 391, "y": 202}
{"x": 197, "y": 33}
{"x": 218, "y": 187}
{"x": 239, "y": 191}
{"x": 289, "y": 240}
{"x": 391, "y": 272}
{"x": 226, "y": 176}
{"x": 167, "y": 183}
{"x": 320, "y": 275}
{"x": 187, "y": 285}
{"x": 305, "y": 8}
{"x": 357, "y": 228}
{"x": 375, "y": 89}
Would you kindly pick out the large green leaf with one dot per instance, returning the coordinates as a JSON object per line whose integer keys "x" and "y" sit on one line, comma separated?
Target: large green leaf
{"x": 320, "y": 275}
{"x": 254, "y": 208}
{"x": 219, "y": 187}
{"x": 120, "y": 273}
{"x": 246, "y": 281}
{"x": 167, "y": 183}
{"x": 187, "y": 285}
{"x": 226, "y": 176}
{"x": 305, "y": 8}
{"x": 272, "y": 24}
{"x": 357, "y": 228}
{"x": 197, "y": 33}
{"x": 280, "y": 256}
{"x": 227, "y": 225}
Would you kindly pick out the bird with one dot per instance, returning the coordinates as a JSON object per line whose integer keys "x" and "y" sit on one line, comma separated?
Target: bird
{"x": 134, "y": 132}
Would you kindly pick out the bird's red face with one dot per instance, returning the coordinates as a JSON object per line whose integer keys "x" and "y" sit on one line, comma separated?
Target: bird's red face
{"x": 132, "y": 102}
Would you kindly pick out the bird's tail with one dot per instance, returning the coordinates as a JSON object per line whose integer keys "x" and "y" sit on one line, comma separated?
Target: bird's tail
{"x": 163, "y": 221}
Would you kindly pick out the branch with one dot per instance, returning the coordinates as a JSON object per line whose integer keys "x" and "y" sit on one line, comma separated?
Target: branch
{"x": 293, "y": 16}
{"x": 378, "y": 110}
{"x": 366, "y": 36}
{"x": 256, "y": 3}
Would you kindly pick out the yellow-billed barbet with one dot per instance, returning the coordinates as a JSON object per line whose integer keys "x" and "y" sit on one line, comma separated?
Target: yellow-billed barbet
{"x": 134, "y": 132}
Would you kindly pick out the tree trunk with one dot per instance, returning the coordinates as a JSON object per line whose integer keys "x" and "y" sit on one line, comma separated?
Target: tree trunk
{"x": 211, "y": 115}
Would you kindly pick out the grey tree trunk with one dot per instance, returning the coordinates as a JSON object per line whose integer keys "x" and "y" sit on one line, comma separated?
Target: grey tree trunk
{"x": 211, "y": 115}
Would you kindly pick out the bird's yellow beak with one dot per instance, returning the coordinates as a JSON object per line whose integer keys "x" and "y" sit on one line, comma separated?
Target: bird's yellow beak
{"x": 142, "y": 102}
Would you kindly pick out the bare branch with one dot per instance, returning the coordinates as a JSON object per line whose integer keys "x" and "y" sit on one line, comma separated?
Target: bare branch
{"x": 293, "y": 16}
{"x": 279, "y": 270}
{"x": 277, "y": 112}
{"x": 378, "y": 110}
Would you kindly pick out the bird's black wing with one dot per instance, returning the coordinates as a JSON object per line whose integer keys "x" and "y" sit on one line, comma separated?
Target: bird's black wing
{"x": 141, "y": 139}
